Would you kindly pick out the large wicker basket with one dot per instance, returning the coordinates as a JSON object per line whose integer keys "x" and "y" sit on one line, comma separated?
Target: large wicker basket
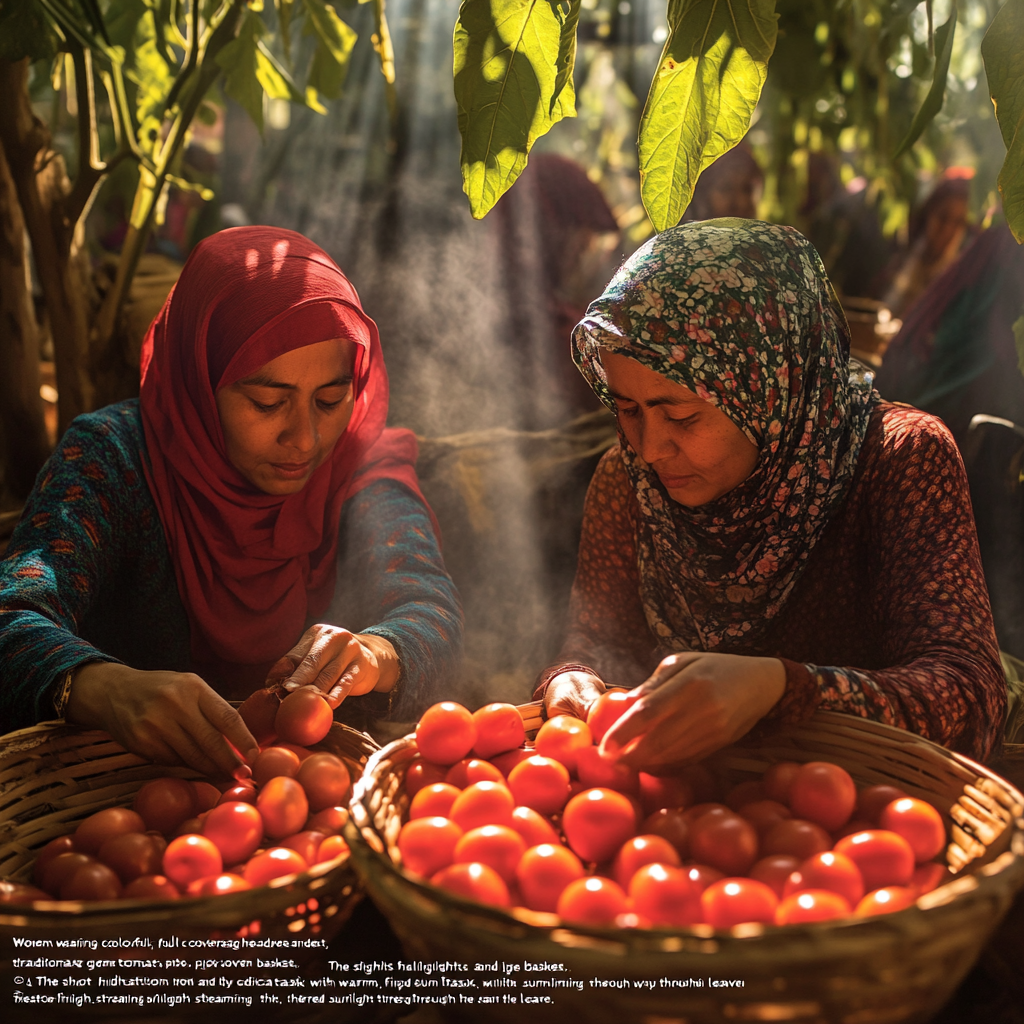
{"x": 899, "y": 967}
{"x": 53, "y": 775}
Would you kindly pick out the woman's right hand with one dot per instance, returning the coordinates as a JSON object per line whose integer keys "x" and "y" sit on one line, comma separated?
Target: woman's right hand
{"x": 172, "y": 718}
{"x": 572, "y": 693}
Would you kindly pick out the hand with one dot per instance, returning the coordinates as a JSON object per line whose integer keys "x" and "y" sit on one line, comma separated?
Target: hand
{"x": 172, "y": 718}
{"x": 340, "y": 663}
{"x": 693, "y": 705}
{"x": 572, "y": 693}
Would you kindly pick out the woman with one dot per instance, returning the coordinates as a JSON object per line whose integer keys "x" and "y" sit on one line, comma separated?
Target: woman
{"x": 220, "y": 531}
{"x": 773, "y": 533}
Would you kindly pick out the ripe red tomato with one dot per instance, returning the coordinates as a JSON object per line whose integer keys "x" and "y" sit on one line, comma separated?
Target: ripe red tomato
{"x": 304, "y": 717}
{"x": 445, "y": 734}
{"x": 774, "y": 871}
{"x": 830, "y": 870}
{"x": 244, "y": 792}
{"x": 702, "y": 875}
{"x": 95, "y": 830}
{"x": 331, "y": 847}
{"x": 297, "y": 749}
{"x": 885, "y": 901}
{"x": 236, "y": 829}
{"x": 329, "y": 821}
{"x": 207, "y": 796}
{"x": 665, "y": 895}
{"x": 597, "y": 771}
{"x": 543, "y": 873}
{"x": 872, "y": 800}
{"x": 691, "y": 814}
{"x": 54, "y": 848}
{"x": 733, "y": 901}
{"x": 497, "y": 846}
{"x": 800, "y": 838}
{"x": 507, "y": 761}
{"x": 728, "y": 843}
{"x": 306, "y": 844}
{"x": 593, "y": 900}
{"x": 884, "y": 858}
{"x": 853, "y": 825}
{"x": 638, "y": 851}
{"x": 131, "y": 855}
{"x": 93, "y": 881}
{"x": 704, "y": 785}
{"x": 190, "y": 857}
{"x": 475, "y": 882}
{"x": 473, "y": 769}
{"x": 811, "y": 905}
{"x": 483, "y": 803}
{"x": 275, "y": 761}
{"x": 670, "y": 824}
{"x": 597, "y": 822}
{"x": 608, "y": 709}
{"x": 218, "y": 885}
{"x": 276, "y": 862}
{"x": 661, "y": 791}
{"x": 422, "y": 773}
{"x": 823, "y": 793}
{"x": 428, "y": 844}
{"x": 164, "y": 804}
{"x": 745, "y": 793}
{"x": 499, "y": 727}
{"x": 562, "y": 738}
{"x": 259, "y": 711}
{"x": 778, "y": 780}
{"x": 433, "y": 801}
{"x": 927, "y": 877}
{"x": 283, "y": 807}
{"x": 18, "y": 892}
{"x": 190, "y": 826}
{"x": 326, "y": 781}
{"x": 533, "y": 827}
{"x": 919, "y": 823}
{"x": 540, "y": 783}
{"x": 60, "y": 869}
{"x": 764, "y": 814}
{"x": 151, "y": 887}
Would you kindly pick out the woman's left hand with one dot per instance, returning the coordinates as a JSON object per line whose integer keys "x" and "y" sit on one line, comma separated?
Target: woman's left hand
{"x": 693, "y": 705}
{"x": 340, "y": 663}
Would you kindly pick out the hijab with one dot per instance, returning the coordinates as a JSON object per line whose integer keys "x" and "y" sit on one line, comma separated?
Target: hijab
{"x": 742, "y": 314}
{"x": 253, "y": 568}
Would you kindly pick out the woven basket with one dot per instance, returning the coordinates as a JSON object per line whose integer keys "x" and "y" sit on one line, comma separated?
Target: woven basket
{"x": 53, "y": 775}
{"x": 897, "y": 967}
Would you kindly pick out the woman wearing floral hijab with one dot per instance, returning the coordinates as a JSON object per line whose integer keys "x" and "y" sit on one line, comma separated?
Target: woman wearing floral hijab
{"x": 769, "y": 530}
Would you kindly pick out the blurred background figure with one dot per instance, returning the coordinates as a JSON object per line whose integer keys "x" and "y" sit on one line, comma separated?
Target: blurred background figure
{"x": 730, "y": 187}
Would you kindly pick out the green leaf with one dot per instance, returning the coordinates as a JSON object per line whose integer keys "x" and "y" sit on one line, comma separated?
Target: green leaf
{"x": 334, "y": 42}
{"x": 512, "y": 83}
{"x": 271, "y": 74}
{"x": 704, "y": 92}
{"x": 150, "y": 73}
{"x": 240, "y": 61}
{"x": 936, "y": 94}
{"x": 566, "y": 62}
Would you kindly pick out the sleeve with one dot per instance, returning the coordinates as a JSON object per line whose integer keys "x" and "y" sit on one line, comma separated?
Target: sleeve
{"x": 61, "y": 552}
{"x": 608, "y": 632}
{"x": 392, "y": 583}
{"x": 931, "y": 607}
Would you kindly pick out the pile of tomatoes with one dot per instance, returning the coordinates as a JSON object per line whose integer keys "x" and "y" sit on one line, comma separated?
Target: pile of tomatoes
{"x": 560, "y": 828}
{"x": 183, "y": 838}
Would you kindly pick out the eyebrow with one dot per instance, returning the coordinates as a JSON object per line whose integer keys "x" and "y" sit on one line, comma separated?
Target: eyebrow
{"x": 651, "y": 403}
{"x": 262, "y": 381}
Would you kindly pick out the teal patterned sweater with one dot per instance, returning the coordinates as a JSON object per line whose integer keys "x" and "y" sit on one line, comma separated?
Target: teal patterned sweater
{"x": 88, "y": 577}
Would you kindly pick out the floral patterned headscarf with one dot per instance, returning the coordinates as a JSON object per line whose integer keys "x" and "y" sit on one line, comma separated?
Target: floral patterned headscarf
{"x": 742, "y": 314}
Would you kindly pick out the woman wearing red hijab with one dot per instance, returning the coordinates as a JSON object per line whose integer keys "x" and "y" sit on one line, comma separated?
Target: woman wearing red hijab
{"x": 248, "y": 518}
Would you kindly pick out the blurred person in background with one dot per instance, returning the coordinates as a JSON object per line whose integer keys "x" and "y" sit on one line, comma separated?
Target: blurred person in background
{"x": 730, "y": 187}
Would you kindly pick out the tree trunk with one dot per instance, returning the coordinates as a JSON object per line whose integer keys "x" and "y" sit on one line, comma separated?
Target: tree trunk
{"x": 21, "y": 410}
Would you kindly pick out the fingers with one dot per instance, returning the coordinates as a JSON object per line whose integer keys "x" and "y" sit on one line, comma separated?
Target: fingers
{"x": 228, "y": 723}
{"x": 330, "y": 651}
{"x": 572, "y": 693}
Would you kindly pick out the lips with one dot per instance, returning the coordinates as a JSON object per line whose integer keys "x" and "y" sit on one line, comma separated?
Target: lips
{"x": 291, "y": 469}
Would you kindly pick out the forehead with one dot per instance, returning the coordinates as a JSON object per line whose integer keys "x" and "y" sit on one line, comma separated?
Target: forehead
{"x": 323, "y": 360}
{"x": 630, "y": 379}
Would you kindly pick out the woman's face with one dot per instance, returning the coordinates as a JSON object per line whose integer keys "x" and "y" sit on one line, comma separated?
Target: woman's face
{"x": 283, "y": 421}
{"x": 698, "y": 453}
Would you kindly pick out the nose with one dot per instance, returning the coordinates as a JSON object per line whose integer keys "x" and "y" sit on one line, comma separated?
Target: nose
{"x": 654, "y": 441}
{"x": 300, "y": 433}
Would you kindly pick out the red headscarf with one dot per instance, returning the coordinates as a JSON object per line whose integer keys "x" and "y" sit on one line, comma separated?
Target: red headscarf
{"x": 253, "y": 568}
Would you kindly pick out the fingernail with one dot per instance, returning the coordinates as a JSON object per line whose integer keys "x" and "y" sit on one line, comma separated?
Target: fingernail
{"x": 242, "y": 773}
{"x": 251, "y": 755}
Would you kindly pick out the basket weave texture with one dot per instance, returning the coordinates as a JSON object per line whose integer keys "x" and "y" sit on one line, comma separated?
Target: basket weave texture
{"x": 53, "y": 775}
{"x": 897, "y": 967}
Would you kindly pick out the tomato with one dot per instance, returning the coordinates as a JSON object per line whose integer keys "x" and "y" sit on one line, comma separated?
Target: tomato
{"x": 702, "y": 875}
{"x": 853, "y": 825}
{"x": 597, "y": 822}
{"x": 304, "y": 717}
{"x": 164, "y": 804}
{"x": 763, "y": 814}
{"x": 475, "y": 882}
{"x": 283, "y": 807}
{"x": 811, "y": 905}
{"x": 778, "y": 780}
{"x": 236, "y": 829}
{"x": 445, "y": 733}
{"x": 276, "y": 862}
{"x": 190, "y": 857}
{"x": 640, "y": 850}
{"x": 131, "y": 855}
{"x": 543, "y": 873}
{"x": 872, "y": 800}
{"x": 54, "y": 848}
{"x": 259, "y": 711}
{"x": 919, "y": 823}
{"x": 428, "y": 844}
{"x": 61, "y": 868}
{"x": 497, "y": 846}
{"x": 95, "y": 830}
{"x": 691, "y": 814}
{"x": 218, "y": 885}
{"x": 507, "y": 761}
{"x": 658, "y": 791}
{"x": 701, "y": 781}
{"x": 433, "y": 801}
{"x": 483, "y": 803}
{"x": 802, "y": 839}
{"x": 774, "y": 871}
{"x": 330, "y": 821}
{"x": 608, "y": 709}
{"x": 632, "y": 920}
{"x": 305, "y": 844}
{"x": 540, "y": 783}
{"x": 669, "y": 824}
{"x": 207, "y": 796}
{"x": 533, "y": 827}
{"x": 190, "y": 826}
{"x": 275, "y": 761}
{"x": 831, "y": 871}
{"x": 597, "y": 771}
{"x": 423, "y": 773}
{"x": 473, "y": 769}
{"x": 823, "y": 793}
{"x": 562, "y": 738}
{"x": 299, "y": 751}
{"x": 330, "y": 848}
{"x": 884, "y": 858}
{"x": 733, "y": 901}
{"x": 151, "y": 887}
{"x": 244, "y": 793}
{"x": 728, "y": 843}
{"x": 93, "y": 881}
{"x": 665, "y": 895}
{"x": 885, "y": 901}
{"x": 499, "y": 727}
{"x": 745, "y": 793}
{"x": 326, "y": 781}
{"x": 927, "y": 877}
{"x": 593, "y": 900}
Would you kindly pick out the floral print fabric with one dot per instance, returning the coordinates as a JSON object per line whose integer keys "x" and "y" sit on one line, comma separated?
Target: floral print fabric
{"x": 742, "y": 314}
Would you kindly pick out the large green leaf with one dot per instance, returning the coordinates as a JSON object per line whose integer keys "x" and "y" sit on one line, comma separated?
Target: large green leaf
{"x": 151, "y": 74}
{"x": 513, "y": 81}
{"x": 704, "y": 92}
{"x": 1003, "y": 52}
{"x": 240, "y": 61}
{"x": 937, "y": 93}
{"x": 334, "y": 42}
